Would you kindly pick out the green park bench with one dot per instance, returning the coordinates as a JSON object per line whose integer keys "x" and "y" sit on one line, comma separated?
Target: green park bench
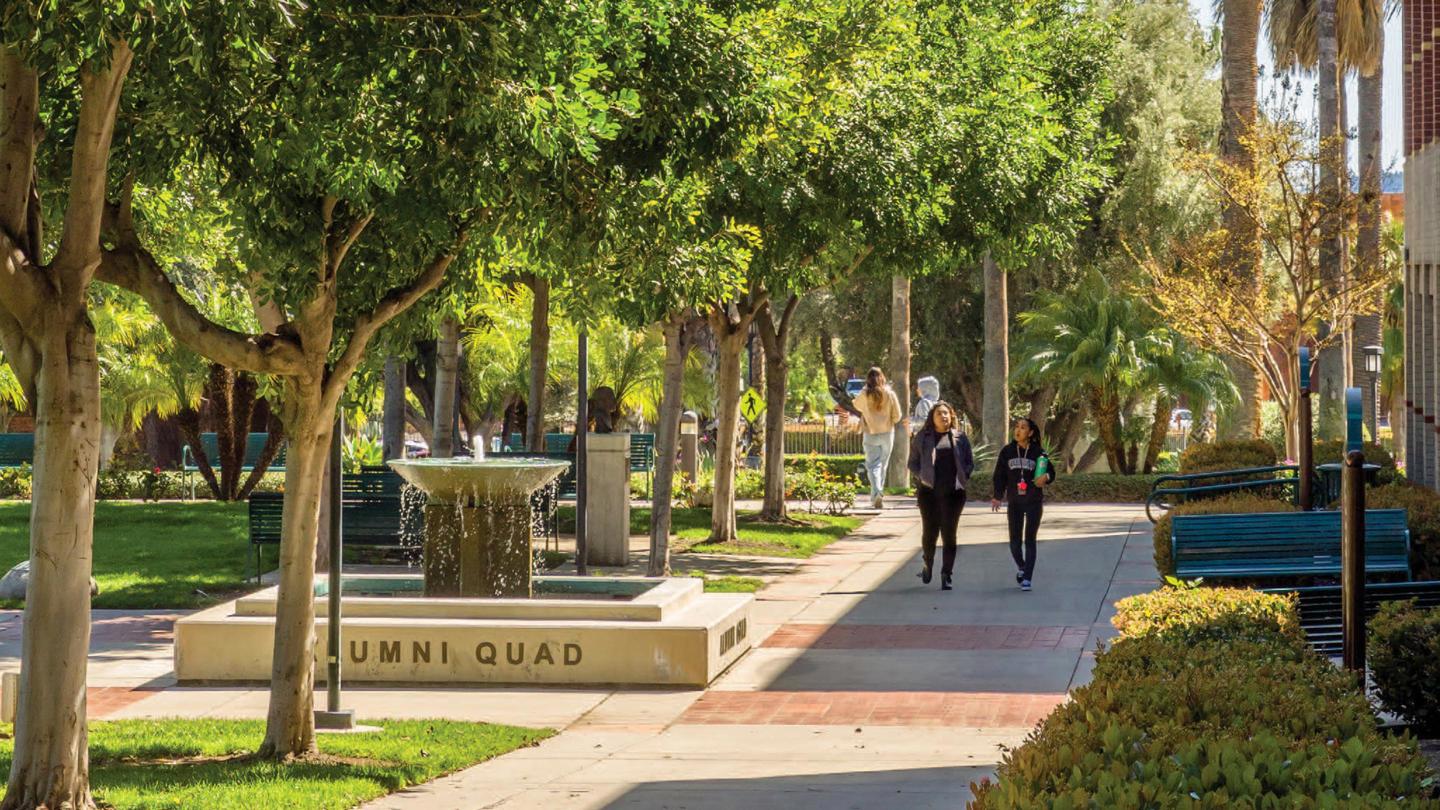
{"x": 1320, "y": 607}
{"x": 1283, "y": 544}
{"x": 254, "y": 446}
{"x": 378, "y": 510}
{"x": 17, "y": 449}
{"x": 642, "y": 456}
{"x": 558, "y": 443}
{"x": 1169, "y": 491}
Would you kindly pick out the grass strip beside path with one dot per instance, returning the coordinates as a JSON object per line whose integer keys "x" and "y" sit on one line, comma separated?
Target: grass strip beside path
{"x": 807, "y": 534}
{"x": 205, "y": 763}
{"x": 152, "y": 555}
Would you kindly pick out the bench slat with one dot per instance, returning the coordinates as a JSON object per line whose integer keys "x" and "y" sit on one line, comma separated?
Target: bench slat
{"x": 1284, "y": 543}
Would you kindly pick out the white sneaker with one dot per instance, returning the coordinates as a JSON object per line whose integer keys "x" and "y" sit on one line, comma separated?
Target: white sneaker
{"x": 879, "y": 501}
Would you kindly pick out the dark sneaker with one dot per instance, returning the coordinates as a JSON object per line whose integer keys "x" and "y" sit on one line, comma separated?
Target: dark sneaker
{"x": 1024, "y": 584}
{"x": 944, "y": 582}
{"x": 924, "y": 575}
{"x": 1019, "y": 577}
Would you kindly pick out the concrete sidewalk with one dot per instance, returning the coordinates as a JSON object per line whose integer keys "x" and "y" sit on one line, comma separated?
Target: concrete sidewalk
{"x": 865, "y": 688}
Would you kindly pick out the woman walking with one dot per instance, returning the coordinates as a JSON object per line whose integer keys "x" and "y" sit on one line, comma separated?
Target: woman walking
{"x": 941, "y": 460}
{"x": 879, "y": 414}
{"x": 1022, "y": 472}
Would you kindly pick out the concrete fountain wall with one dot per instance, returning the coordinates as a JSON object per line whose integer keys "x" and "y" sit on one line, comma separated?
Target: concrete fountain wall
{"x": 672, "y": 634}
{"x": 470, "y": 619}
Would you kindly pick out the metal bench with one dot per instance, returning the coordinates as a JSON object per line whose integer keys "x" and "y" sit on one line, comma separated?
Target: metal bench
{"x": 378, "y": 509}
{"x": 17, "y": 449}
{"x": 642, "y": 457}
{"x": 1283, "y": 544}
{"x": 254, "y": 447}
{"x": 1320, "y": 607}
{"x": 1194, "y": 486}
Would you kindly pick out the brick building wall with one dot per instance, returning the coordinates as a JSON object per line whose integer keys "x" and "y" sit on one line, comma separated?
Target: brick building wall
{"x": 1420, "y": 35}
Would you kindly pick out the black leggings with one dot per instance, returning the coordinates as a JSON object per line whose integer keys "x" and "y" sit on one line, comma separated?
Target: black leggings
{"x": 939, "y": 517}
{"x": 1024, "y": 519}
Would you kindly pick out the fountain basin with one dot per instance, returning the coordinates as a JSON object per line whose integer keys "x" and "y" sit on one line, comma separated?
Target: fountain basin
{"x": 616, "y": 631}
{"x": 461, "y": 480}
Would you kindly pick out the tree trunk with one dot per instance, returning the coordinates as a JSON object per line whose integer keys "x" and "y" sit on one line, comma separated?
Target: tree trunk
{"x": 775, "y": 337}
{"x": 731, "y": 345}
{"x": 667, "y": 434}
{"x": 51, "y": 763}
{"x": 1331, "y": 369}
{"x": 1239, "y": 37}
{"x": 393, "y": 429}
{"x": 273, "y": 442}
{"x": 539, "y": 361}
{"x": 1164, "y": 407}
{"x": 995, "y": 410}
{"x": 1366, "y": 328}
{"x": 290, "y": 727}
{"x": 897, "y": 474}
{"x": 1107, "y": 427}
{"x": 447, "y": 350}
{"x": 1064, "y": 434}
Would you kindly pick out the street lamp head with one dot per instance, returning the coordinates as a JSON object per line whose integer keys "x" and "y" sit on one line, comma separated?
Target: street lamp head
{"x": 1372, "y": 358}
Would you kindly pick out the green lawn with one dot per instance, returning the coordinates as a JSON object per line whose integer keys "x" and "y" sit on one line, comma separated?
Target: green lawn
{"x": 205, "y": 763}
{"x": 152, "y": 555}
{"x": 809, "y": 534}
{"x": 727, "y": 584}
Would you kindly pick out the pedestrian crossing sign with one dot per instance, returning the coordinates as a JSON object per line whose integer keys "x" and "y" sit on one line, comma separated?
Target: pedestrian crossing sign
{"x": 752, "y": 405}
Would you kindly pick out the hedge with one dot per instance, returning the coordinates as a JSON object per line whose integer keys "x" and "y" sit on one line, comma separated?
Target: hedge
{"x": 1078, "y": 488}
{"x": 1404, "y": 653}
{"x": 1209, "y": 699}
{"x": 1239, "y": 503}
{"x": 1226, "y": 455}
{"x": 1422, "y": 512}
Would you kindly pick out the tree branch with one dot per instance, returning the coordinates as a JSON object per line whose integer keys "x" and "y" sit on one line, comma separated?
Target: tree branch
{"x": 79, "y": 252}
{"x": 133, "y": 268}
{"x": 19, "y": 114}
{"x": 390, "y": 305}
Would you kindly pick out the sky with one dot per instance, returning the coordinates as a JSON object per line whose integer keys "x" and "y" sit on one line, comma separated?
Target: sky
{"x": 1393, "y": 103}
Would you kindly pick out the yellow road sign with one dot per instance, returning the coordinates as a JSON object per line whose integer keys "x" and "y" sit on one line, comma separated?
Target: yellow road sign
{"x": 752, "y": 405}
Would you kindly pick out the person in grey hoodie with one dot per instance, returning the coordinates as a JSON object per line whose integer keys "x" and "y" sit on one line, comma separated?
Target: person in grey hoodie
{"x": 928, "y": 390}
{"x": 941, "y": 461}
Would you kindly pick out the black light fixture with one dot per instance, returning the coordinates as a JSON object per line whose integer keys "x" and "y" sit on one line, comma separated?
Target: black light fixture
{"x": 1372, "y": 358}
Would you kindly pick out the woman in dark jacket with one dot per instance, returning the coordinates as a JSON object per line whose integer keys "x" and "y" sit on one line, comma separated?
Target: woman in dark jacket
{"x": 941, "y": 461}
{"x": 1022, "y": 471}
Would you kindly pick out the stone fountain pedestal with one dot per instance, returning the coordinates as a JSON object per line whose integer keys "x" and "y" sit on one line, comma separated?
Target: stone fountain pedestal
{"x": 478, "y": 549}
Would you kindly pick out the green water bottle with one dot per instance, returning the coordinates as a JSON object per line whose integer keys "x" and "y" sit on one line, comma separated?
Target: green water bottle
{"x": 1042, "y": 467}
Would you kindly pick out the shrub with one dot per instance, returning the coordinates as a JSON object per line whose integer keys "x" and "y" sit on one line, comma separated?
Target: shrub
{"x": 1239, "y": 503}
{"x": 1327, "y": 452}
{"x": 831, "y": 494}
{"x": 1077, "y": 488}
{"x": 838, "y": 466}
{"x": 1422, "y": 513}
{"x": 750, "y": 484}
{"x": 1227, "y": 455}
{"x": 1404, "y": 654}
{"x": 1210, "y": 699}
{"x": 1188, "y": 614}
{"x": 15, "y": 482}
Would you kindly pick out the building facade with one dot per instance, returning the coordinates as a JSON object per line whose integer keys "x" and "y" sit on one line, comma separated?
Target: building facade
{"x": 1420, "y": 40}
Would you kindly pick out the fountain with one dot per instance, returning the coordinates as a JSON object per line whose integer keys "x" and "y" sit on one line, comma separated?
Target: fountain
{"x": 477, "y": 522}
{"x": 477, "y": 614}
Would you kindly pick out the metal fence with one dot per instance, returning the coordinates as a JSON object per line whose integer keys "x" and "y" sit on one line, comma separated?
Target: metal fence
{"x": 828, "y": 437}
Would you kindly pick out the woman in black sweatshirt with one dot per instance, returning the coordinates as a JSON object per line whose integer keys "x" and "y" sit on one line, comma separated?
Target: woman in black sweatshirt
{"x": 941, "y": 461}
{"x": 1017, "y": 483}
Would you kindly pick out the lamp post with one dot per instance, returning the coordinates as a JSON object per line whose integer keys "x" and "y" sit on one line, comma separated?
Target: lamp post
{"x": 1372, "y": 369}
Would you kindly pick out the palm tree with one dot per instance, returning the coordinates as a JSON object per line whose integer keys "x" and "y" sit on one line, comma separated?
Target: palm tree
{"x": 1239, "y": 36}
{"x": 1177, "y": 370}
{"x": 1091, "y": 343}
